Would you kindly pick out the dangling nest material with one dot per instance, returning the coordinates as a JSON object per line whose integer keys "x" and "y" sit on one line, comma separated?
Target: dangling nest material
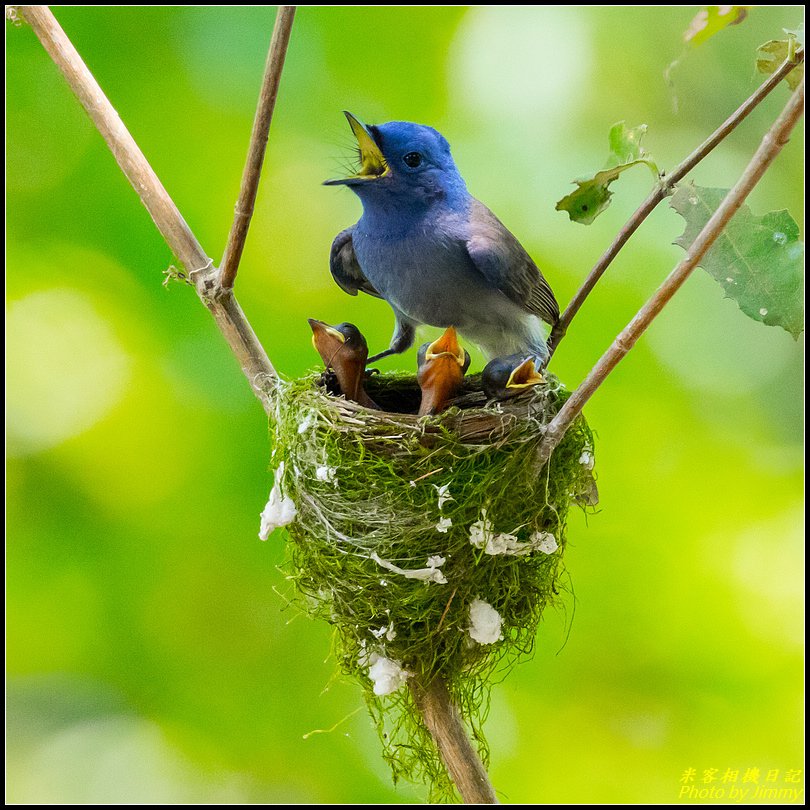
{"x": 404, "y": 524}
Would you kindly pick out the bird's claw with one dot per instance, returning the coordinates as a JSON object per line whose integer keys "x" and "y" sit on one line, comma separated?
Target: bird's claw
{"x": 329, "y": 381}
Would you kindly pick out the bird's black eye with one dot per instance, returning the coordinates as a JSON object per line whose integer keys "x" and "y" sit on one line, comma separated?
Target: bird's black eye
{"x": 413, "y": 159}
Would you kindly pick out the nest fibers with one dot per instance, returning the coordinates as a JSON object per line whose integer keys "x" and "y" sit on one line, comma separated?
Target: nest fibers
{"x": 430, "y": 544}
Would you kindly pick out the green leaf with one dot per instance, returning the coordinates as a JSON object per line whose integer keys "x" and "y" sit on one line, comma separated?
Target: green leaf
{"x": 589, "y": 200}
{"x": 592, "y": 195}
{"x": 758, "y": 261}
{"x": 625, "y": 145}
{"x": 771, "y": 55}
{"x": 711, "y": 20}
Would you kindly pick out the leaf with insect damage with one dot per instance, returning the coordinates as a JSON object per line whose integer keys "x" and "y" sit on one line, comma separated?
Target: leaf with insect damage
{"x": 592, "y": 195}
{"x": 758, "y": 261}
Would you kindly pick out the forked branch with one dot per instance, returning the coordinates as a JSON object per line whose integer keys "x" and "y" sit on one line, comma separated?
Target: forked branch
{"x": 662, "y": 189}
{"x": 770, "y": 147}
{"x": 440, "y": 716}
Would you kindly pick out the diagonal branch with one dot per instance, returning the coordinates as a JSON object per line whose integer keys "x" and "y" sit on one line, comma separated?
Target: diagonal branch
{"x": 661, "y": 191}
{"x": 258, "y": 146}
{"x": 227, "y": 313}
{"x": 770, "y": 147}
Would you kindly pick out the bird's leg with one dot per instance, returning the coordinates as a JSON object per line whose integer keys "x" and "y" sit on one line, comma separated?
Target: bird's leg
{"x": 386, "y": 353}
{"x": 404, "y": 336}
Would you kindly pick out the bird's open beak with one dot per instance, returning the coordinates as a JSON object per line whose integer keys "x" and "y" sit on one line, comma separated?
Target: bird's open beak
{"x": 447, "y": 346}
{"x": 324, "y": 337}
{"x": 524, "y": 376}
{"x": 373, "y": 165}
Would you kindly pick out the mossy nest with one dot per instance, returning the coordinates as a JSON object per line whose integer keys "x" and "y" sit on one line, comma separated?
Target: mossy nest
{"x": 431, "y": 544}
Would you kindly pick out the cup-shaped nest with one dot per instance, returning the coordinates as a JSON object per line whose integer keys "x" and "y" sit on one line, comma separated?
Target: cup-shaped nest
{"x": 431, "y": 544}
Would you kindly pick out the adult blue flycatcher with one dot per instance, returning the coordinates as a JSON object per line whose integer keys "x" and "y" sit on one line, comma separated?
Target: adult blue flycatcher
{"x": 436, "y": 254}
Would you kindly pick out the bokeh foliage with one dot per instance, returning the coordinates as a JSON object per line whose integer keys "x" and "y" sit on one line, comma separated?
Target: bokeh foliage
{"x": 150, "y": 653}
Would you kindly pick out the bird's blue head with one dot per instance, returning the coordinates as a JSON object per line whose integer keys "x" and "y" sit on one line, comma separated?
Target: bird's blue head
{"x": 403, "y": 165}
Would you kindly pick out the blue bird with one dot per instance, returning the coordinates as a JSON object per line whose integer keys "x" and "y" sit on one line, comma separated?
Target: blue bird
{"x": 436, "y": 254}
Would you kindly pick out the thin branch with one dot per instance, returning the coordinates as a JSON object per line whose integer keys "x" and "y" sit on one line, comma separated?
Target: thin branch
{"x": 200, "y": 268}
{"x": 460, "y": 758}
{"x": 258, "y": 146}
{"x": 770, "y": 147}
{"x": 661, "y": 191}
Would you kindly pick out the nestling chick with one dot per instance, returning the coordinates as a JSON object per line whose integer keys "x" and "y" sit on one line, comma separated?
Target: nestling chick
{"x": 506, "y": 377}
{"x": 436, "y": 254}
{"x": 344, "y": 349}
{"x": 442, "y": 366}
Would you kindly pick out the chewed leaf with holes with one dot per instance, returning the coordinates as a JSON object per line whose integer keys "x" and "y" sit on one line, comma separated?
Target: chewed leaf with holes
{"x": 592, "y": 195}
{"x": 758, "y": 261}
{"x": 771, "y": 55}
{"x": 710, "y": 20}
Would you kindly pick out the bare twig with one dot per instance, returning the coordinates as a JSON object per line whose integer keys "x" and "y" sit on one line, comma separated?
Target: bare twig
{"x": 770, "y": 147}
{"x": 258, "y": 145}
{"x": 200, "y": 268}
{"x": 460, "y": 758}
{"x": 661, "y": 191}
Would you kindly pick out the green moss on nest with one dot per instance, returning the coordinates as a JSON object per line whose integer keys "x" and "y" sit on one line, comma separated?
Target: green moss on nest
{"x": 367, "y": 487}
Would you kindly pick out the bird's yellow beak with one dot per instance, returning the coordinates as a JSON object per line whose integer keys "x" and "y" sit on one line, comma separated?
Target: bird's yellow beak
{"x": 447, "y": 346}
{"x": 373, "y": 165}
{"x": 525, "y": 375}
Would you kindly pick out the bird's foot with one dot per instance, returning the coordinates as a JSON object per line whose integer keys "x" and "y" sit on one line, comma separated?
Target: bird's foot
{"x": 329, "y": 381}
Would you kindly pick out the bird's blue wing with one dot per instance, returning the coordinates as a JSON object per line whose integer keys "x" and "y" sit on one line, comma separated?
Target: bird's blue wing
{"x": 506, "y": 265}
{"x": 346, "y": 269}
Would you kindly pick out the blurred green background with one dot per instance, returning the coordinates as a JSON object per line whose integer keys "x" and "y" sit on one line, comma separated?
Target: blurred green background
{"x": 152, "y": 652}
